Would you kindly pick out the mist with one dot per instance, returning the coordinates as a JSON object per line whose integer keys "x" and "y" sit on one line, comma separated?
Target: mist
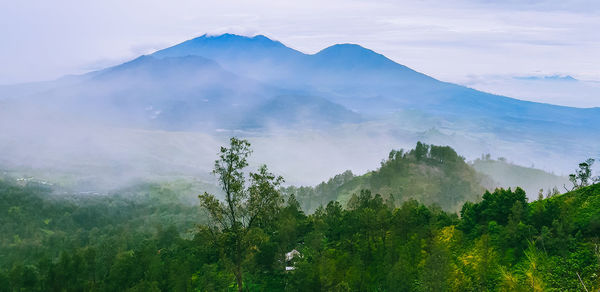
{"x": 86, "y": 155}
{"x": 554, "y": 89}
{"x": 309, "y": 117}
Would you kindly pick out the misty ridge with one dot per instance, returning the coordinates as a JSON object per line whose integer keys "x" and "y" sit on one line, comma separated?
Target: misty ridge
{"x": 309, "y": 117}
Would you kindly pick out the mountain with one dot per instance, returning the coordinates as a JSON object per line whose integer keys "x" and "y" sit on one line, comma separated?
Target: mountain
{"x": 372, "y": 84}
{"x": 299, "y": 110}
{"x": 258, "y": 57}
{"x": 183, "y": 93}
{"x": 380, "y": 89}
{"x": 214, "y": 79}
{"x": 237, "y": 85}
{"x": 344, "y": 72}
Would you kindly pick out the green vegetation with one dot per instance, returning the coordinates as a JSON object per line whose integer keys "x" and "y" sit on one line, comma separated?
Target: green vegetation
{"x": 583, "y": 175}
{"x": 241, "y": 221}
{"x": 258, "y": 239}
{"x": 49, "y": 239}
{"x": 429, "y": 174}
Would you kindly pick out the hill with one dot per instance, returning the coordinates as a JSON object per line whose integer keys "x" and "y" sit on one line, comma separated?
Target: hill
{"x": 508, "y": 175}
{"x": 429, "y": 174}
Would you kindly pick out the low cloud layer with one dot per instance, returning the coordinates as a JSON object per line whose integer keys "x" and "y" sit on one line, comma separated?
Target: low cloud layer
{"x": 553, "y": 89}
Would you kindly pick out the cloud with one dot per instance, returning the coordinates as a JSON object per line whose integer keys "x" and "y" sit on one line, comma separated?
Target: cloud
{"x": 555, "y": 88}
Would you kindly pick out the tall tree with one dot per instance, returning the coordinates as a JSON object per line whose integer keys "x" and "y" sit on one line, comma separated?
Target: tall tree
{"x": 245, "y": 207}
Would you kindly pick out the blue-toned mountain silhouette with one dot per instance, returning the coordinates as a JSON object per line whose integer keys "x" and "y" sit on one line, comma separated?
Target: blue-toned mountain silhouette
{"x": 236, "y": 82}
{"x": 372, "y": 84}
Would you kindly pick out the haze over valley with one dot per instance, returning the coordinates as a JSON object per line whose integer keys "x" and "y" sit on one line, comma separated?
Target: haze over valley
{"x": 309, "y": 116}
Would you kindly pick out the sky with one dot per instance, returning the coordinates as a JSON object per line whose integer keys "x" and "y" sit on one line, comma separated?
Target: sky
{"x": 485, "y": 44}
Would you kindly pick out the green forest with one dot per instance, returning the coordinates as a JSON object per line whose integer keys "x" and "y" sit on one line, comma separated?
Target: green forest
{"x": 423, "y": 221}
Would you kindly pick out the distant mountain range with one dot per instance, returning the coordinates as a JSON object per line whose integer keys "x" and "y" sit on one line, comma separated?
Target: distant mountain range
{"x": 567, "y": 78}
{"x": 254, "y": 84}
{"x": 232, "y": 81}
{"x": 373, "y": 85}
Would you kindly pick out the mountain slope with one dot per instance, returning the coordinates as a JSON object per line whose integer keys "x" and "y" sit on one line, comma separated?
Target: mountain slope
{"x": 182, "y": 93}
{"x": 508, "y": 175}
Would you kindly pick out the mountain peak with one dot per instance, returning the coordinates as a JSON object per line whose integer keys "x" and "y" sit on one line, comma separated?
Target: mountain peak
{"x": 347, "y": 48}
{"x": 235, "y": 37}
{"x": 230, "y": 45}
{"x": 353, "y": 55}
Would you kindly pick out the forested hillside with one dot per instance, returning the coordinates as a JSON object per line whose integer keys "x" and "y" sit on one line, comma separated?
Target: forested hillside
{"x": 150, "y": 239}
{"x": 430, "y": 174}
{"x": 501, "y": 243}
{"x": 51, "y": 240}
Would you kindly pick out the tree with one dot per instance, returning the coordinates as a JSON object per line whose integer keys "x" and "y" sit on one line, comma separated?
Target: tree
{"x": 583, "y": 176}
{"x": 421, "y": 150}
{"x": 540, "y": 195}
{"x": 245, "y": 207}
{"x": 443, "y": 154}
{"x": 496, "y": 206}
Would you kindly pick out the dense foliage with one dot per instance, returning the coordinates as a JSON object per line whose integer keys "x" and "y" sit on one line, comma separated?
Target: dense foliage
{"x": 430, "y": 174}
{"x": 54, "y": 240}
{"x": 141, "y": 242}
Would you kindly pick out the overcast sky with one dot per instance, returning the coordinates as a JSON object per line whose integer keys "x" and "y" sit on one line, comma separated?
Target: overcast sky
{"x": 459, "y": 41}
